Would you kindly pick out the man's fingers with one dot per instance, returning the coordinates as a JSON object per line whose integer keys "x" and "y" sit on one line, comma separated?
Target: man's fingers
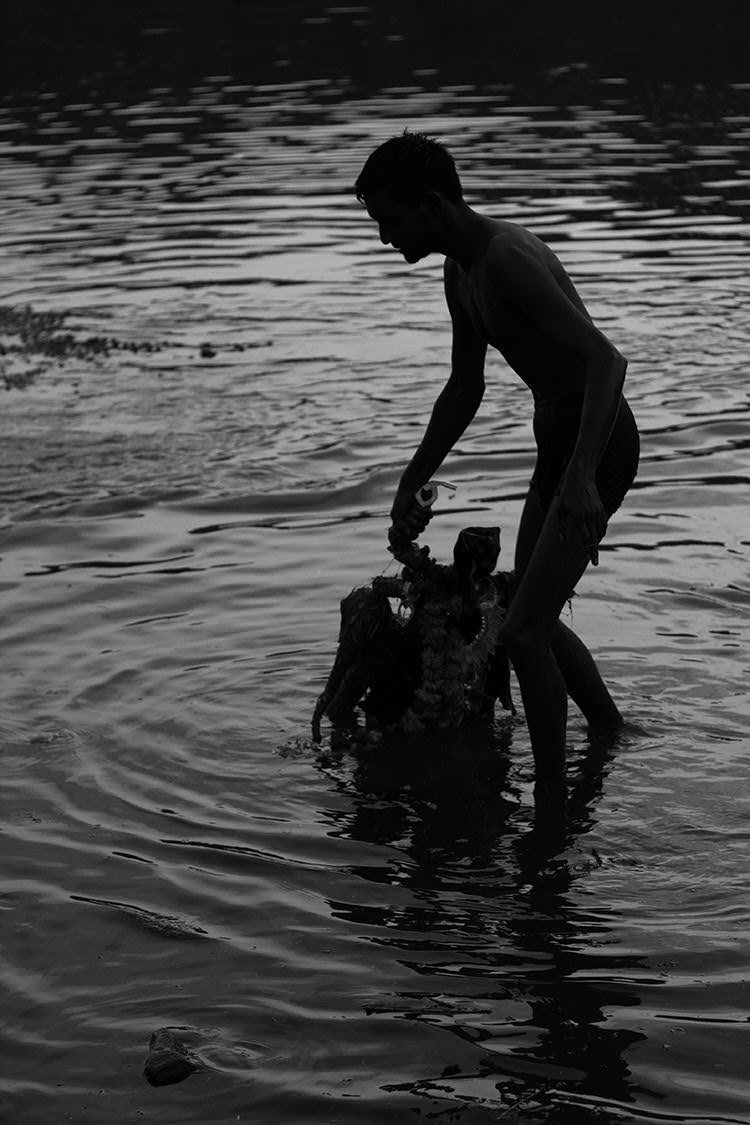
{"x": 590, "y": 533}
{"x": 582, "y": 525}
{"x": 418, "y": 517}
{"x": 413, "y": 523}
{"x": 585, "y": 531}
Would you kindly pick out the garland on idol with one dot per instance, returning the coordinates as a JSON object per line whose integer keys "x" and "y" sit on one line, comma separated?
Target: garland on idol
{"x": 421, "y": 649}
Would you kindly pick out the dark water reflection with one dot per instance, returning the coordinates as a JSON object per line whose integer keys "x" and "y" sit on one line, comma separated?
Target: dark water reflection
{"x": 507, "y": 961}
{"x": 211, "y": 373}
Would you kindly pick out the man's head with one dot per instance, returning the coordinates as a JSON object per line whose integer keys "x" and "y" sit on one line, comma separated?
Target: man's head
{"x": 403, "y": 185}
{"x": 409, "y": 167}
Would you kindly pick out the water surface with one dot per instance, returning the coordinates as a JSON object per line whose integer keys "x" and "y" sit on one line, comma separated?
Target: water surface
{"x": 212, "y": 375}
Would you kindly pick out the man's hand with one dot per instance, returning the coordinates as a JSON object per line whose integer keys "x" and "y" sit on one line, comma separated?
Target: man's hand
{"x": 408, "y": 516}
{"x": 581, "y": 513}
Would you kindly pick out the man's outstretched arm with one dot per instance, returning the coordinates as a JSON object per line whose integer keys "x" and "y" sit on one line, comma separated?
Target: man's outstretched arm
{"x": 454, "y": 409}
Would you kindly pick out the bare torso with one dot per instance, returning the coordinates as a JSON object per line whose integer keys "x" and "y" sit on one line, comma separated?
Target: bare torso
{"x": 499, "y": 317}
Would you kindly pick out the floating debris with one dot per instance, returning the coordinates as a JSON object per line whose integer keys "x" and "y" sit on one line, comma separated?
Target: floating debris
{"x": 26, "y": 336}
{"x": 166, "y": 925}
{"x": 168, "y": 1060}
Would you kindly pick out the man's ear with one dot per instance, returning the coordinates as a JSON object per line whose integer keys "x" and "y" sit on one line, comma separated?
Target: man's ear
{"x": 434, "y": 203}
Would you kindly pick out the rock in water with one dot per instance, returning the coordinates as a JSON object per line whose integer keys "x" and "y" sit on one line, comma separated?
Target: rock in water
{"x": 168, "y": 1059}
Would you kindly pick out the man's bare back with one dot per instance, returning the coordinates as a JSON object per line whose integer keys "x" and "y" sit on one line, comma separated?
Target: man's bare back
{"x": 489, "y": 294}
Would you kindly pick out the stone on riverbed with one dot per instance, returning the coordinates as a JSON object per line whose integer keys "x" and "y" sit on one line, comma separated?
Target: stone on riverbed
{"x": 168, "y": 1059}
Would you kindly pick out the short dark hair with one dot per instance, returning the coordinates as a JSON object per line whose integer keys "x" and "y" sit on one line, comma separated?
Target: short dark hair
{"x": 409, "y": 167}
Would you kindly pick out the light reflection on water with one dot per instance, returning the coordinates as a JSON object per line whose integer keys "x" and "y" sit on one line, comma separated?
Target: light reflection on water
{"x": 213, "y": 373}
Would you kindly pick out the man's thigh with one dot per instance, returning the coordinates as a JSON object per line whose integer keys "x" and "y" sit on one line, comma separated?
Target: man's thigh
{"x": 550, "y": 568}
{"x": 529, "y": 529}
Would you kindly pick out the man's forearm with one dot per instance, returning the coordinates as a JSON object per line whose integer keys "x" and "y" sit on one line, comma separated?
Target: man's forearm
{"x": 454, "y": 409}
{"x": 601, "y": 402}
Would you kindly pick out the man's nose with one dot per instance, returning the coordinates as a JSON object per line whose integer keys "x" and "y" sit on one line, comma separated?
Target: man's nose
{"x": 383, "y": 236}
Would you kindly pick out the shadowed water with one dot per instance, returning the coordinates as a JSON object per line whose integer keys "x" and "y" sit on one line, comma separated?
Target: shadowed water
{"x": 211, "y": 375}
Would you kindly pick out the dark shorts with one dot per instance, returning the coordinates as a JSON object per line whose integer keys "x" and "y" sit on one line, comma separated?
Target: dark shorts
{"x": 556, "y": 423}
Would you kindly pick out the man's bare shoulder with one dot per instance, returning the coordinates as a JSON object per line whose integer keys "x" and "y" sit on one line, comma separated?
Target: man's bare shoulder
{"x": 519, "y": 262}
{"x": 512, "y": 246}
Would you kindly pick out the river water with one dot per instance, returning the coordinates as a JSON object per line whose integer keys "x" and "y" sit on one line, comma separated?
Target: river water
{"x": 211, "y": 375}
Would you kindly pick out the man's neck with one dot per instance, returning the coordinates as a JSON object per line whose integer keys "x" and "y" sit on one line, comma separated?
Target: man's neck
{"x": 464, "y": 235}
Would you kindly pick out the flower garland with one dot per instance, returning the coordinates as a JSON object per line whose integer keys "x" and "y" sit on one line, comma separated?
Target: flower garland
{"x": 449, "y": 620}
{"x": 452, "y": 665}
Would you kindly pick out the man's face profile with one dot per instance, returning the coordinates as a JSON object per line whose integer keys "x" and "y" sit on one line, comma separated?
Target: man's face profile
{"x": 405, "y": 226}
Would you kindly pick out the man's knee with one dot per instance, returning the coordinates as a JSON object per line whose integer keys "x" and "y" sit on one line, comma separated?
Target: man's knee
{"x": 520, "y": 640}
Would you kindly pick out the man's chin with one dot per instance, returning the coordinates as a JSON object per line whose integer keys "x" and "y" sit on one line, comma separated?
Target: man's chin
{"x": 412, "y": 256}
